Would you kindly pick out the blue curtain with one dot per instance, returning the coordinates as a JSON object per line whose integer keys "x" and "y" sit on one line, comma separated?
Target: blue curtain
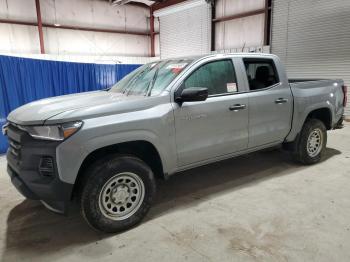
{"x": 23, "y": 80}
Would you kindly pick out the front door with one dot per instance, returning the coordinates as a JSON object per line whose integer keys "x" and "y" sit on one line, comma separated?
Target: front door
{"x": 217, "y": 126}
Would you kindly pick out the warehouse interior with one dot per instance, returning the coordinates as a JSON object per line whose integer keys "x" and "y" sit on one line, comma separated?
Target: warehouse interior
{"x": 260, "y": 206}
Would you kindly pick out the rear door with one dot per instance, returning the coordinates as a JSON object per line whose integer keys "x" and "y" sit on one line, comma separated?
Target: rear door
{"x": 270, "y": 102}
{"x": 211, "y": 128}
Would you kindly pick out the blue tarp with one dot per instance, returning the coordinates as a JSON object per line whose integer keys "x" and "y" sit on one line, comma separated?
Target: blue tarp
{"x": 23, "y": 80}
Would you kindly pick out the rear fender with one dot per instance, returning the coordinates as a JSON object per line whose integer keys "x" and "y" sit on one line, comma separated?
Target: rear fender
{"x": 300, "y": 115}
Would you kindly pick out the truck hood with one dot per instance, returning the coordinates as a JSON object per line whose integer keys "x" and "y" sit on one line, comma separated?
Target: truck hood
{"x": 74, "y": 107}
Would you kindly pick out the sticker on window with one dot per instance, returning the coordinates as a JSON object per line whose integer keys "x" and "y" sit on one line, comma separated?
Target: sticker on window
{"x": 231, "y": 87}
{"x": 176, "y": 68}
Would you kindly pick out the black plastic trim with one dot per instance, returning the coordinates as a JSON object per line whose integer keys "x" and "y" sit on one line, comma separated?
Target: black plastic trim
{"x": 23, "y": 167}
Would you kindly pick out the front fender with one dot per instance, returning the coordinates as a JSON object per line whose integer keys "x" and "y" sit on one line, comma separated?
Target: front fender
{"x": 72, "y": 153}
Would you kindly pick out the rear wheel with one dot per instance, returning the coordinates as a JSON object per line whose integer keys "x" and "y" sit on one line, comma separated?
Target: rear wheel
{"x": 117, "y": 193}
{"x": 311, "y": 142}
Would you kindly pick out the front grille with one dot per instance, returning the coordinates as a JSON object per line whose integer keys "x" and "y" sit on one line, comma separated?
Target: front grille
{"x": 15, "y": 148}
{"x": 13, "y": 134}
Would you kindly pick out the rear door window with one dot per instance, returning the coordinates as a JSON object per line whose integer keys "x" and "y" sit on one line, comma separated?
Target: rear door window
{"x": 261, "y": 73}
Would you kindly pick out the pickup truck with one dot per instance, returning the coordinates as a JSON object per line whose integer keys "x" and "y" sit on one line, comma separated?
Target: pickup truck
{"x": 107, "y": 148}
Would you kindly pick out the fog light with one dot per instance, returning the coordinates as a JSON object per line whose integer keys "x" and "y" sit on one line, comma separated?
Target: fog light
{"x": 46, "y": 167}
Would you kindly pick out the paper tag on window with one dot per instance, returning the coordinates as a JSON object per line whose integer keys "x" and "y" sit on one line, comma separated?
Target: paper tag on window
{"x": 231, "y": 87}
{"x": 177, "y": 65}
{"x": 176, "y": 68}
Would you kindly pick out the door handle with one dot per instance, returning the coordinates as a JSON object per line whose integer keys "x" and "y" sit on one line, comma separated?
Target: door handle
{"x": 237, "y": 107}
{"x": 281, "y": 100}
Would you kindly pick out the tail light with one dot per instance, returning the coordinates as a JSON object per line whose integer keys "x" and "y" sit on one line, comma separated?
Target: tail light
{"x": 345, "y": 92}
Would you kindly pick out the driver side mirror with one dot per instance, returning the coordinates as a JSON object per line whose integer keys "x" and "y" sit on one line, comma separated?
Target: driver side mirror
{"x": 192, "y": 94}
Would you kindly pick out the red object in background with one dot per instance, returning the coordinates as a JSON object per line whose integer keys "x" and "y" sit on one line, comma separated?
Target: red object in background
{"x": 176, "y": 70}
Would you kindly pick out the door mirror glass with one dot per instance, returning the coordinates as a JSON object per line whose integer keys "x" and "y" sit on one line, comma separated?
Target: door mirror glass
{"x": 192, "y": 94}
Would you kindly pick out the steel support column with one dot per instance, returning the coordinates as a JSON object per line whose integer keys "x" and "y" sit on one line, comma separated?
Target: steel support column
{"x": 152, "y": 33}
{"x": 213, "y": 15}
{"x": 266, "y": 31}
{"x": 40, "y": 26}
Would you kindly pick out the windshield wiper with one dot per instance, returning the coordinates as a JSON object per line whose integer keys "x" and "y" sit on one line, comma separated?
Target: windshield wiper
{"x": 130, "y": 84}
{"x": 151, "y": 84}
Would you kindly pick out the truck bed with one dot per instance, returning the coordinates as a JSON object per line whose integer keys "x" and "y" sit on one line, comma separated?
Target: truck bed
{"x": 316, "y": 93}
{"x": 326, "y": 85}
{"x": 297, "y": 80}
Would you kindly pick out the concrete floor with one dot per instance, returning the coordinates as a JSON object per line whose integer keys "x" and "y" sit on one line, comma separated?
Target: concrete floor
{"x": 259, "y": 207}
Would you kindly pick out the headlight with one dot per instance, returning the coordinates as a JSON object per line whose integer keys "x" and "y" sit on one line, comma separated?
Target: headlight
{"x": 54, "y": 132}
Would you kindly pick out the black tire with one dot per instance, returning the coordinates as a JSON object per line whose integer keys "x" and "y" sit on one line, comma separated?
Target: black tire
{"x": 300, "y": 152}
{"x": 96, "y": 179}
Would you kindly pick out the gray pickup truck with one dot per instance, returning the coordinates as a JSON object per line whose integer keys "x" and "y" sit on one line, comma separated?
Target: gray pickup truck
{"x": 107, "y": 148}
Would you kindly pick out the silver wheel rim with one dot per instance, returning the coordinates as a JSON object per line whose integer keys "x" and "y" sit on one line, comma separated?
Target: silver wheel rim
{"x": 121, "y": 196}
{"x": 314, "y": 142}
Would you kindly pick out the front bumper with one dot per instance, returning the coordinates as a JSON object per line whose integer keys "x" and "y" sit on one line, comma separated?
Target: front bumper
{"x": 32, "y": 178}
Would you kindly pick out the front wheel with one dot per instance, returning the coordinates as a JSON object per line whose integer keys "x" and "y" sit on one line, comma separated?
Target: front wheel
{"x": 117, "y": 193}
{"x": 311, "y": 142}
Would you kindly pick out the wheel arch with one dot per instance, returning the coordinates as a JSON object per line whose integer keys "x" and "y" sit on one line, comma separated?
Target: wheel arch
{"x": 323, "y": 114}
{"x": 142, "y": 149}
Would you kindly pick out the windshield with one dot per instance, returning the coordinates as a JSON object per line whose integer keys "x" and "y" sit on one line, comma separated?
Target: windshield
{"x": 150, "y": 79}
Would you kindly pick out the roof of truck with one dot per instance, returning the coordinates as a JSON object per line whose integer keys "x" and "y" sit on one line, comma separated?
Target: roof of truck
{"x": 197, "y": 57}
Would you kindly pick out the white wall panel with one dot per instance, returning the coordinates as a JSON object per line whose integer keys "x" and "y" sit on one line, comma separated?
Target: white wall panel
{"x": 19, "y": 39}
{"x": 156, "y": 24}
{"x": 312, "y": 38}
{"x": 247, "y": 31}
{"x": 61, "y": 41}
{"x": 156, "y": 45}
{"x": 18, "y": 9}
{"x": 93, "y": 13}
{"x": 185, "y": 29}
{"x": 156, "y": 38}
{"x": 233, "y": 7}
